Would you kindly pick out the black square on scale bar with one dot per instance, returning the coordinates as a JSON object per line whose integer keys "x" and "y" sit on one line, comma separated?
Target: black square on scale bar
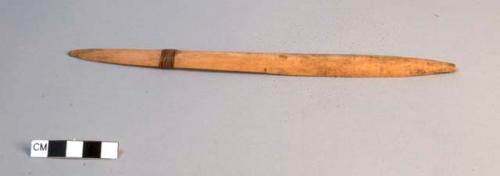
{"x": 57, "y": 148}
{"x": 91, "y": 149}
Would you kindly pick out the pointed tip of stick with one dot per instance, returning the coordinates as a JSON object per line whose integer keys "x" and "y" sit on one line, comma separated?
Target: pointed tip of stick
{"x": 453, "y": 67}
{"x": 81, "y": 53}
{"x": 447, "y": 68}
{"x": 73, "y": 53}
{"x": 438, "y": 67}
{"x": 146, "y": 58}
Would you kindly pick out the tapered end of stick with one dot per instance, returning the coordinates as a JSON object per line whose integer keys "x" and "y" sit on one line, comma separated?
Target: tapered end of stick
{"x": 74, "y": 53}
{"x": 449, "y": 68}
{"x": 437, "y": 67}
{"x": 135, "y": 57}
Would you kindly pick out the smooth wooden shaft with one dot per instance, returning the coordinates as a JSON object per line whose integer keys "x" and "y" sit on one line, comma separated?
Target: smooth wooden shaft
{"x": 309, "y": 64}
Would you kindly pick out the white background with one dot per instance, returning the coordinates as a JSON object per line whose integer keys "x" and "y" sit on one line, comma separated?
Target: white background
{"x": 207, "y": 123}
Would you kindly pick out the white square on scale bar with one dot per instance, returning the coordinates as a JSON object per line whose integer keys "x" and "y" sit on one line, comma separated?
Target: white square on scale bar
{"x": 109, "y": 150}
{"x": 74, "y": 149}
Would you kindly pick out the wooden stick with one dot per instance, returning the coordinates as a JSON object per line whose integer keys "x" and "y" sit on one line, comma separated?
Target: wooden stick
{"x": 271, "y": 63}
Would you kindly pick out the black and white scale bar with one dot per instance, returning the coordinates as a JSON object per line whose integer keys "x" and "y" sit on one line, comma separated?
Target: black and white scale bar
{"x": 74, "y": 149}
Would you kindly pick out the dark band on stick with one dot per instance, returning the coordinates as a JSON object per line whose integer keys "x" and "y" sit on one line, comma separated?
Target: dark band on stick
{"x": 167, "y": 58}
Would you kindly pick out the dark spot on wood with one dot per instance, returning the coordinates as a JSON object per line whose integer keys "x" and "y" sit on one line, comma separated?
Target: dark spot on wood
{"x": 429, "y": 64}
{"x": 282, "y": 56}
{"x": 420, "y": 71}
